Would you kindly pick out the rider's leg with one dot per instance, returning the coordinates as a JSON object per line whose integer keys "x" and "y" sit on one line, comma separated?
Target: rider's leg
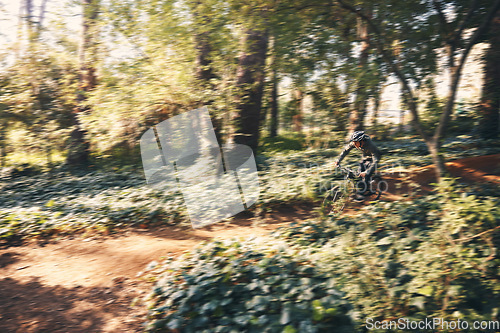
{"x": 360, "y": 185}
{"x": 368, "y": 178}
{"x": 364, "y": 183}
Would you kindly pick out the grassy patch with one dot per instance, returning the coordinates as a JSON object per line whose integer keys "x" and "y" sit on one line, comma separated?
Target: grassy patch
{"x": 282, "y": 143}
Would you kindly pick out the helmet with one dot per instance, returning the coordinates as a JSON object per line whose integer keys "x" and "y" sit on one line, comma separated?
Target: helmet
{"x": 359, "y": 136}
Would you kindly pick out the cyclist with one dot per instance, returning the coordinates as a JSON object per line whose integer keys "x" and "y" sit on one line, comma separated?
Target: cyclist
{"x": 369, "y": 162}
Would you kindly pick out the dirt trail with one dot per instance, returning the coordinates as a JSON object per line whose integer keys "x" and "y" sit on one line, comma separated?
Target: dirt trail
{"x": 89, "y": 285}
{"x": 482, "y": 169}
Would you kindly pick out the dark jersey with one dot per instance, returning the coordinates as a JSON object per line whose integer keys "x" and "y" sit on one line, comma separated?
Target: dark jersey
{"x": 369, "y": 150}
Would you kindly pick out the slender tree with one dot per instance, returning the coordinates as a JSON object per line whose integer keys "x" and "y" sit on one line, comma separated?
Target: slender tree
{"x": 357, "y": 114}
{"x": 273, "y": 121}
{"x": 203, "y": 16}
{"x": 250, "y": 85}
{"x": 78, "y": 147}
{"x": 274, "y": 80}
{"x": 418, "y": 38}
{"x": 490, "y": 99}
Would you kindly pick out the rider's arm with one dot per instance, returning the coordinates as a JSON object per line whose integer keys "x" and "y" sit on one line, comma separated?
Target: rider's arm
{"x": 344, "y": 152}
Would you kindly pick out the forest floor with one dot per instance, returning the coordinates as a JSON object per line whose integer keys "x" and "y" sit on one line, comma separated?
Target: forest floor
{"x": 97, "y": 284}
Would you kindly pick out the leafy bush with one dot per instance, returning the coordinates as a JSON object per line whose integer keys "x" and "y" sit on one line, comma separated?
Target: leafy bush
{"x": 468, "y": 145}
{"x": 435, "y": 256}
{"x": 246, "y": 287}
{"x": 310, "y": 233}
{"x": 38, "y": 206}
{"x": 412, "y": 151}
{"x": 63, "y": 202}
{"x": 465, "y": 119}
{"x": 282, "y": 143}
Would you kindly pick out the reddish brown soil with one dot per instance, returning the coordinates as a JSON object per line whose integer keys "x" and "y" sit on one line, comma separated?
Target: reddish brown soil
{"x": 93, "y": 284}
{"x": 482, "y": 169}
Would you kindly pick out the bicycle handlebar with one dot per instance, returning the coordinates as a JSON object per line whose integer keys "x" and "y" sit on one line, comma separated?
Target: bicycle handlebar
{"x": 347, "y": 171}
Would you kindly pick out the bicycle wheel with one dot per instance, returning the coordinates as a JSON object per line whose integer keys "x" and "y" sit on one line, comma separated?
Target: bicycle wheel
{"x": 336, "y": 199}
{"x": 378, "y": 186}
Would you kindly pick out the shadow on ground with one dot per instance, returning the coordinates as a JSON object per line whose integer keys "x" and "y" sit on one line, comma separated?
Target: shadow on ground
{"x": 34, "y": 307}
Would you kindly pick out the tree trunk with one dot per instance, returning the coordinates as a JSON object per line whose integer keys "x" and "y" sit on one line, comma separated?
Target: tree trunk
{"x": 78, "y": 147}
{"x": 437, "y": 158}
{"x": 273, "y": 131}
{"x": 273, "y": 102}
{"x": 204, "y": 74}
{"x": 298, "y": 118}
{"x": 376, "y": 107}
{"x": 203, "y": 63}
{"x": 433, "y": 143}
{"x": 48, "y": 155}
{"x": 250, "y": 83}
{"x": 357, "y": 114}
{"x": 490, "y": 99}
{"x": 204, "y": 71}
{"x": 30, "y": 23}
{"x": 3, "y": 148}
{"x": 41, "y": 17}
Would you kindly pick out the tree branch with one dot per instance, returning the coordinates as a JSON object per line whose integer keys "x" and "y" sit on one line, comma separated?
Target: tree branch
{"x": 481, "y": 29}
{"x": 478, "y": 235}
{"x": 457, "y": 71}
{"x": 442, "y": 19}
{"x": 462, "y": 25}
{"x": 391, "y": 62}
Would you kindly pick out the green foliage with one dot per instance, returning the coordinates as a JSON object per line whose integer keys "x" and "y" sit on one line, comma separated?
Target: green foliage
{"x": 465, "y": 119}
{"x": 103, "y": 201}
{"x": 296, "y": 176}
{"x": 307, "y": 233}
{"x": 36, "y": 106}
{"x": 467, "y": 146}
{"x": 116, "y": 199}
{"x": 321, "y": 139}
{"x": 330, "y": 103}
{"x": 411, "y": 151}
{"x": 282, "y": 143}
{"x": 432, "y": 112}
{"x": 435, "y": 256}
{"x": 250, "y": 287}
{"x": 382, "y": 132}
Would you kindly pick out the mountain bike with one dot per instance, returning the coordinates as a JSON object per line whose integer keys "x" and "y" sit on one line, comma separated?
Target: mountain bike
{"x": 352, "y": 188}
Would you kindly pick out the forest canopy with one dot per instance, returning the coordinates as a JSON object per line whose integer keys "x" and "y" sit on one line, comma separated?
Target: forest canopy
{"x": 82, "y": 80}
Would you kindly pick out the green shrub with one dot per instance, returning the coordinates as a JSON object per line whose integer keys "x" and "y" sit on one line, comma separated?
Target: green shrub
{"x": 435, "y": 256}
{"x": 382, "y": 132}
{"x": 282, "y": 143}
{"x": 464, "y": 119}
{"x": 41, "y": 206}
{"x": 311, "y": 233}
{"x": 246, "y": 287}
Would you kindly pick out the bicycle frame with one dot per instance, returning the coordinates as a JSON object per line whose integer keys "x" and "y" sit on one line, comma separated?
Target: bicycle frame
{"x": 354, "y": 175}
